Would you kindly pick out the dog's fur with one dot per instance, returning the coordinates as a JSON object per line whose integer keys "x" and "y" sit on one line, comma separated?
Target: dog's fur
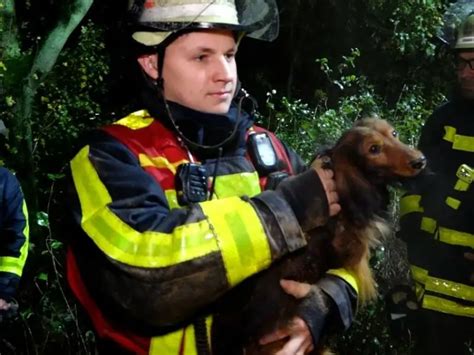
{"x": 365, "y": 160}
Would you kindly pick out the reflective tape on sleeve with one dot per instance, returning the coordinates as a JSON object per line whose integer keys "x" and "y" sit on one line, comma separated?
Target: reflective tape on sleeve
{"x": 454, "y": 237}
{"x": 410, "y": 204}
{"x": 347, "y": 276}
{"x": 241, "y": 237}
{"x": 446, "y": 306}
{"x": 120, "y": 241}
{"x": 12, "y": 264}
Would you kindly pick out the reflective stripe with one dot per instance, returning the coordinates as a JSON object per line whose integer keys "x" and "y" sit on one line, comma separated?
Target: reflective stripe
{"x": 450, "y": 288}
{"x": 460, "y": 142}
{"x": 159, "y": 162}
{"x": 454, "y": 237}
{"x": 444, "y": 287}
{"x": 428, "y": 225}
{"x": 465, "y": 176}
{"x": 409, "y": 204}
{"x": 242, "y": 184}
{"x": 172, "y": 199}
{"x": 419, "y": 275}
{"x": 446, "y": 306}
{"x": 12, "y": 264}
{"x": 123, "y": 243}
{"x": 461, "y": 186}
{"x": 347, "y": 276}
{"x": 170, "y": 344}
{"x": 240, "y": 236}
{"x": 136, "y": 120}
{"x": 453, "y": 203}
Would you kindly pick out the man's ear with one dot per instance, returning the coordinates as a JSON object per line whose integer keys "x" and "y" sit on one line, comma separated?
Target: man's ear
{"x": 149, "y": 64}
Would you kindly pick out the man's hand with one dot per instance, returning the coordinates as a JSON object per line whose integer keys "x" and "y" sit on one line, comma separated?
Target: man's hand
{"x": 298, "y": 334}
{"x": 327, "y": 179}
{"x": 470, "y": 257}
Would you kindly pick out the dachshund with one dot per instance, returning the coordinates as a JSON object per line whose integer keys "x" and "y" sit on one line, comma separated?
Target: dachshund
{"x": 365, "y": 160}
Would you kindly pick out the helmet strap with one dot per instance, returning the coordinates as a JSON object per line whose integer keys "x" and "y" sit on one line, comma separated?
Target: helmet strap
{"x": 160, "y": 52}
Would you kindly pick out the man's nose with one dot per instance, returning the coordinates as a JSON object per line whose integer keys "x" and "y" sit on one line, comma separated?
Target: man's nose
{"x": 223, "y": 70}
{"x": 467, "y": 71}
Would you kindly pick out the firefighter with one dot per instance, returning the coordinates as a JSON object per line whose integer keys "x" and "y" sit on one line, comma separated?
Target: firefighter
{"x": 173, "y": 205}
{"x": 13, "y": 240}
{"x": 437, "y": 217}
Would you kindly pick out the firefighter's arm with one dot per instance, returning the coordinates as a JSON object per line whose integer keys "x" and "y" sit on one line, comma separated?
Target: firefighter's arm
{"x": 327, "y": 306}
{"x": 13, "y": 235}
{"x": 159, "y": 265}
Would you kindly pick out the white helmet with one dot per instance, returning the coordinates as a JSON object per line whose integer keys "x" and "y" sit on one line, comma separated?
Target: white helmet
{"x": 455, "y": 30}
{"x": 465, "y": 34}
{"x": 153, "y": 21}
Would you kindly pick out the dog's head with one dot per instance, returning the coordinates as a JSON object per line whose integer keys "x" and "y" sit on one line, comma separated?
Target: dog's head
{"x": 374, "y": 147}
{"x": 365, "y": 160}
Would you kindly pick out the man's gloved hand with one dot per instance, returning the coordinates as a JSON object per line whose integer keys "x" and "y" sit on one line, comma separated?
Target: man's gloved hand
{"x": 312, "y": 196}
{"x": 470, "y": 257}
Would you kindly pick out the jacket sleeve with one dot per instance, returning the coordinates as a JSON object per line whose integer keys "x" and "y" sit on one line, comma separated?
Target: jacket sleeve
{"x": 416, "y": 227}
{"x": 338, "y": 285}
{"x": 13, "y": 234}
{"x": 156, "y": 265}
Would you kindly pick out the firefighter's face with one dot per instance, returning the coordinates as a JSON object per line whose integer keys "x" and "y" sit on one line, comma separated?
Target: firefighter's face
{"x": 465, "y": 73}
{"x": 199, "y": 70}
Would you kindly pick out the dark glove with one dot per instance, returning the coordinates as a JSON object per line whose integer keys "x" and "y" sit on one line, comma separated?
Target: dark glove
{"x": 307, "y": 198}
{"x": 328, "y": 307}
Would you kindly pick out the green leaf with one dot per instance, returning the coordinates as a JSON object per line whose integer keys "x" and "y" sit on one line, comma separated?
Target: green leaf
{"x": 42, "y": 219}
{"x": 42, "y": 276}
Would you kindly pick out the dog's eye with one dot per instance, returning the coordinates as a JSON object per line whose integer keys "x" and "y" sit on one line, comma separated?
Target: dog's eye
{"x": 395, "y": 133}
{"x": 375, "y": 149}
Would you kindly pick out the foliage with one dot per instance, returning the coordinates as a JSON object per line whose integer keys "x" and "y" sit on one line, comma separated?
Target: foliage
{"x": 413, "y": 26}
{"x": 375, "y": 57}
{"x": 66, "y": 108}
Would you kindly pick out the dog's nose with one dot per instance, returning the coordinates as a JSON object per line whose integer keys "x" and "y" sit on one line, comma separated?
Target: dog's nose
{"x": 419, "y": 163}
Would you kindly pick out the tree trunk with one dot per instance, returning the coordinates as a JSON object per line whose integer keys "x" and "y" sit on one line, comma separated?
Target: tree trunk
{"x": 8, "y": 30}
{"x": 21, "y": 135}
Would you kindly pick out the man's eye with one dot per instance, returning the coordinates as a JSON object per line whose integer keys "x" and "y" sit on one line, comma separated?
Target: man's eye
{"x": 230, "y": 56}
{"x": 200, "y": 57}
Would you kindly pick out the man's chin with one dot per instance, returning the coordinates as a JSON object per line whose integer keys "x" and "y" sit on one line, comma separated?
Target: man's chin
{"x": 217, "y": 109}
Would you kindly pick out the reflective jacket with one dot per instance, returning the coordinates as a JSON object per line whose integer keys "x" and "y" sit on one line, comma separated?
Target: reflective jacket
{"x": 13, "y": 234}
{"x": 437, "y": 217}
{"x": 139, "y": 253}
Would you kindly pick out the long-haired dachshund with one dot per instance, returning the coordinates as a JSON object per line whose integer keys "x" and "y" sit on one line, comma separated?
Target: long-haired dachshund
{"x": 365, "y": 160}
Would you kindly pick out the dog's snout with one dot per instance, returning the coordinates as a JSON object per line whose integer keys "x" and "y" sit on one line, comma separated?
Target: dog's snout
{"x": 419, "y": 163}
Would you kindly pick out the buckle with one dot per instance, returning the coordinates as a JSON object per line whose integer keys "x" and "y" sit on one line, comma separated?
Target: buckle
{"x": 465, "y": 173}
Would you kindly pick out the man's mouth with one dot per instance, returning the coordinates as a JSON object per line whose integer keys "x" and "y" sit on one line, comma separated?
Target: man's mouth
{"x": 223, "y": 93}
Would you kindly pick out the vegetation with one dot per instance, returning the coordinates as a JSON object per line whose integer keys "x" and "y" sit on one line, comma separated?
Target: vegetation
{"x": 62, "y": 72}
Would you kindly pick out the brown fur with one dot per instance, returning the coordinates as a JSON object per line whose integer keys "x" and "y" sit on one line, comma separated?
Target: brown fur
{"x": 365, "y": 160}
